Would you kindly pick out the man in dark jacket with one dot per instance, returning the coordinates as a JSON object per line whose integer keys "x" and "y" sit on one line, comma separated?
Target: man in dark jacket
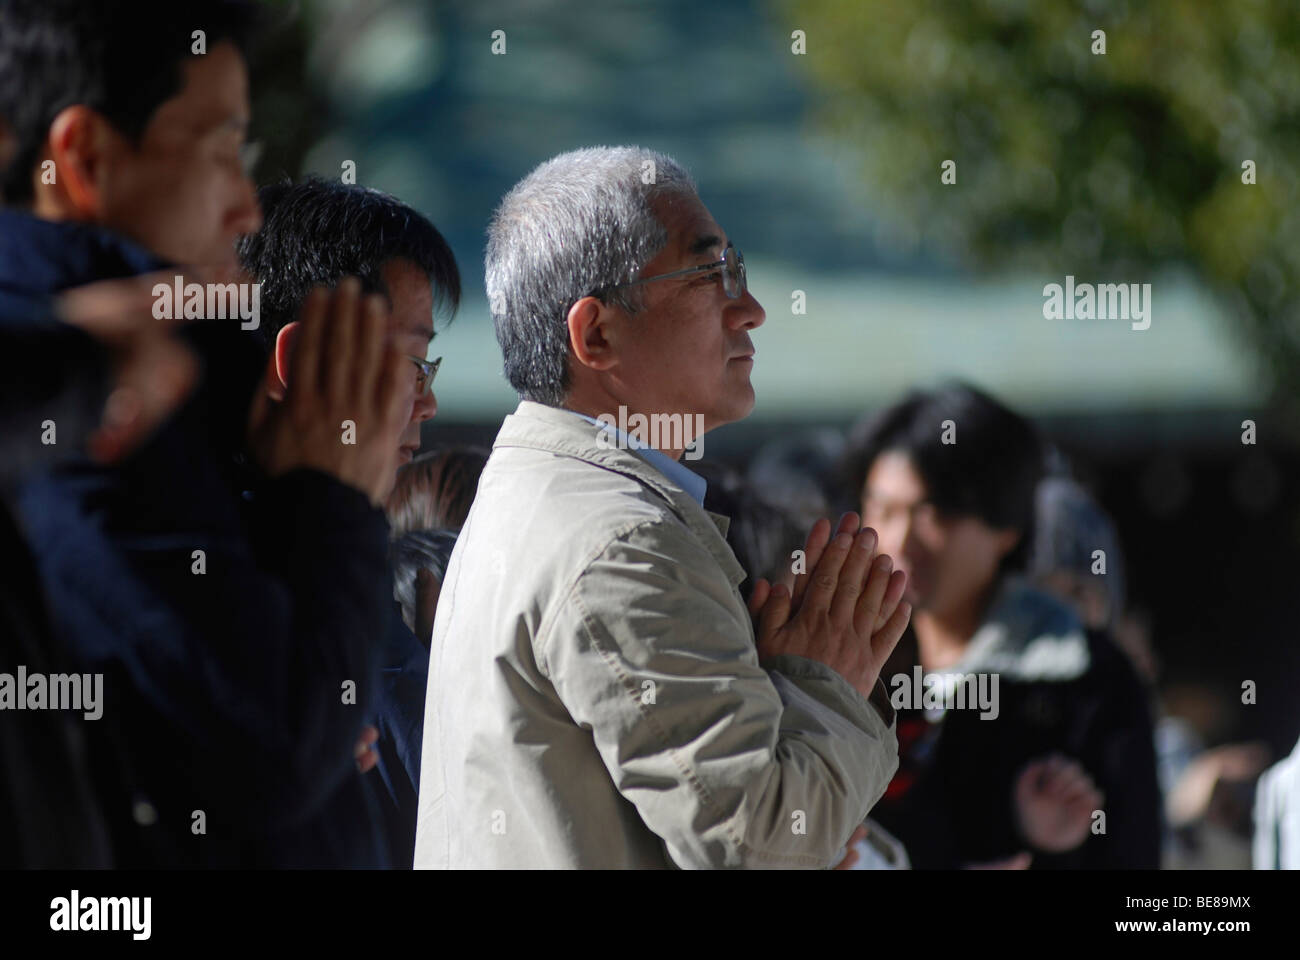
{"x": 316, "y": 232}
{"x": 235, "y": 636}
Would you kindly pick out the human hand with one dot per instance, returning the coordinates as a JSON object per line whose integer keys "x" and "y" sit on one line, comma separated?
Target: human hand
{"x": 852, "y": 856}
{"x": 342, "y": 371}
{"x": 151, "y": 371}
{"x": 844, "y": 617}
{"x": 364, "y": 751}
{"x": 1055, "y": 799}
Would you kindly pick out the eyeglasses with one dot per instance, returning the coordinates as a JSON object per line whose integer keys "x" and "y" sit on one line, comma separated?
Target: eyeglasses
{"x": 428, "y": 370}
{"x": 732, "y": 264}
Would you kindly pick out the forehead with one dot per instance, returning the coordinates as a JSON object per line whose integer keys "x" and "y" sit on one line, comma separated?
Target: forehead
{"x": 410, "y": 297}
{"x": 213, "y": 93}
{"x": 693, "y": 234}
{"x": 893, "y": 478}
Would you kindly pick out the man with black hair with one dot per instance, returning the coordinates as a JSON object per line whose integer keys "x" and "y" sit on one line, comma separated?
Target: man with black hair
{"x": 315, "y": 233}
{"x": 112, "y": 117}
{"x": 236, "y": 638}
{"x": 948, "y": 479}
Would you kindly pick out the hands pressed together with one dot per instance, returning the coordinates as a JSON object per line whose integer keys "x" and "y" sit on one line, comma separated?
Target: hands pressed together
{"x": 846, "y": 611}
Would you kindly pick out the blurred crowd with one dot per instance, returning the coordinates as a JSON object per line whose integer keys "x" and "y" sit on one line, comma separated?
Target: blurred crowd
{"x": 1191, "y": 798}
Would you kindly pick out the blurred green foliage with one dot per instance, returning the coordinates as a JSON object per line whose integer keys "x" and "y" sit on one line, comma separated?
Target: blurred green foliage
{"x": 1109, "y": 167}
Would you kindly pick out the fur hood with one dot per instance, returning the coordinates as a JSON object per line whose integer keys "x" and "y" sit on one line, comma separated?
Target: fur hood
{"x": 1027, "y": 636}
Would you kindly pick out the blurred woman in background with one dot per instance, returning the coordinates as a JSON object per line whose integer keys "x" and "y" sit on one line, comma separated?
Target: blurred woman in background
{"x": 1060, "y": 771}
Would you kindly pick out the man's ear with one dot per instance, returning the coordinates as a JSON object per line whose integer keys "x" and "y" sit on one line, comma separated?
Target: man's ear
{"x": 592, "y": 335}
{"x": 284, "y": 341}
{"x": 1007, "y": 540}
{"x": 79, "y": 141}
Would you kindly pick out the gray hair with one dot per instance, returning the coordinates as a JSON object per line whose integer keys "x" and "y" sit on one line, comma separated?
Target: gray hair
{"x": 415, "y": 551}
{"x": 577, "y": 225}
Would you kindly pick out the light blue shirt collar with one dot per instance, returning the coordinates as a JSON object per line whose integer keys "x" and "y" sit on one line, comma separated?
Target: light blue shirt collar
{"x": 688, "y": 480}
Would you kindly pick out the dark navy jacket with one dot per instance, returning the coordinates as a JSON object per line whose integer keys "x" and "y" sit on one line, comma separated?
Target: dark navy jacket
{"x": 49, "y": 814}
{"x": 229, "y": 722}
{"x": 403, "y": 675}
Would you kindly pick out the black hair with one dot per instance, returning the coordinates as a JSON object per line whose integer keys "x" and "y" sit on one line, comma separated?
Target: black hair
{"x": 316, "y": 232}
{"x": 991, "y": 472}
{"x": 121, "y": 58}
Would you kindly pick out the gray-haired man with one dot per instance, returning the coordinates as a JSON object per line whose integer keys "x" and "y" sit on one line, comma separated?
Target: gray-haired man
{"x": 597, "y": 696}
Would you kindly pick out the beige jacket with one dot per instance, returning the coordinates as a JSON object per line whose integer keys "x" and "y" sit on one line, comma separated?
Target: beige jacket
{"x": 595, "y": 698}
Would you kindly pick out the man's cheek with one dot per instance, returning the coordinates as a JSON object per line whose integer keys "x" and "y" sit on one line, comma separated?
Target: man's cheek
{"x": 194, "y": 223}
{"x": 411, "y": 435}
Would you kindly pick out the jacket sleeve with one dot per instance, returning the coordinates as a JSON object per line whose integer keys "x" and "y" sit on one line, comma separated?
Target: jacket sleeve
{"x": 730, "y": 764}
{"x": 48, "y": 372}
{"x": 1121, "y": 757}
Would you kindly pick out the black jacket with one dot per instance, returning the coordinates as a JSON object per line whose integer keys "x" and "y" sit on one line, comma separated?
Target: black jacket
{"x": 227, "y": 734}
{"x": 1060, "y": 690}
{"x": 49, "y": 815}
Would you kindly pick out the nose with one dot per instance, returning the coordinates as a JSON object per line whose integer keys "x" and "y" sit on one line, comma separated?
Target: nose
{"x": 752, "y": 311}
{"x": 426, "y": 406}
{"x": 913, "y": 546}
{"x": 246, "y": 217}
{"x": 746, "y": 313}
{"x": 897, "y": 535}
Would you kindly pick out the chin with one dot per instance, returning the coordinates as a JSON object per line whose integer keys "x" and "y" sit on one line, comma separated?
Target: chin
{"x": 725, "y": 415}
{"x": 739, "y": 405}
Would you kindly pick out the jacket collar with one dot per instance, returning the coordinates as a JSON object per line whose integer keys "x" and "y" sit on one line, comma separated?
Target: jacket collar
{"x": 539, "y": 427}
{"x": 42, "y": 257}
{"x": 689, "y": 481}
{"x": 1029, "y": 636}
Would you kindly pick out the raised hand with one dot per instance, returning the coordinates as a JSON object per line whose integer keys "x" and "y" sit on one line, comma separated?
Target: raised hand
{"x": 342, "y": 369}
{"x": 1055, "y": 799}
{"x": 151, "y": 370}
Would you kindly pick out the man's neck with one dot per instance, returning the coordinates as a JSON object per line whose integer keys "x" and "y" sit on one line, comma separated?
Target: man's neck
{"x": 610, "y": 408}
{"x": 942, "y": 636}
